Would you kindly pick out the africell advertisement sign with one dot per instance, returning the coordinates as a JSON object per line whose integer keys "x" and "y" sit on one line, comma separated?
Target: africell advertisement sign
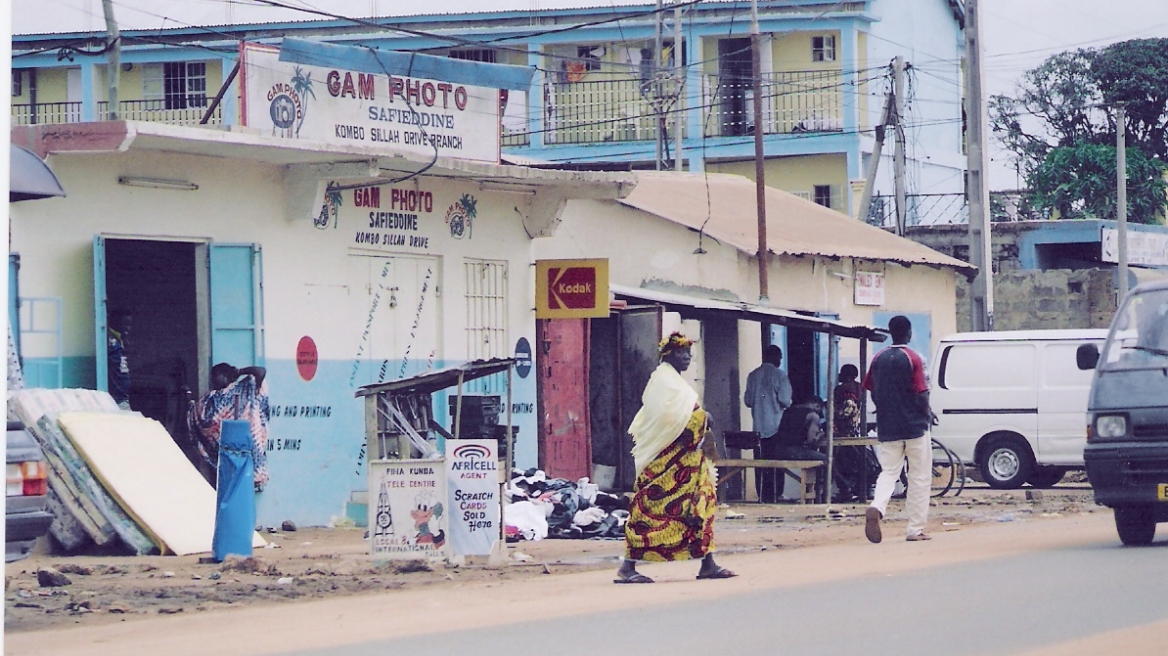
{"x": 393, "y": 112}
{"x": 472, "y": 473}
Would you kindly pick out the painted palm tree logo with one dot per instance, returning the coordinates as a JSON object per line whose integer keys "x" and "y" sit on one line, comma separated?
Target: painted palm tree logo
{"x": 330, "y": 208}
{"x": 460, "y": 217}
{"x": 302, "y": 85}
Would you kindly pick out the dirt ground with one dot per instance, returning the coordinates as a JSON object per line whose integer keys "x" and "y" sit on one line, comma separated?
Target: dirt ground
{"x": 322, "y": 563}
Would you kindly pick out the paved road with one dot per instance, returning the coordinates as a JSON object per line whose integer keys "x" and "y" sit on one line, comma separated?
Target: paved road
{"x": 1036, "y": 587}
{"x": 1002, "y": 605}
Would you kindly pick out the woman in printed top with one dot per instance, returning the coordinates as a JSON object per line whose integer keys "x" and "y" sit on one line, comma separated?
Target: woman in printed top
{"x": 235, "y": 394}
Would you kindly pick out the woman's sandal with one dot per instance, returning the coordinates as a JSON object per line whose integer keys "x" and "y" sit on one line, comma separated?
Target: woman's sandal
{"x": 635, "y": 577}
{"x": 719, "y": 573}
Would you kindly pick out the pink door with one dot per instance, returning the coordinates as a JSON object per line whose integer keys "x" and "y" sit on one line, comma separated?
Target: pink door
{"x": 565, "y": 442}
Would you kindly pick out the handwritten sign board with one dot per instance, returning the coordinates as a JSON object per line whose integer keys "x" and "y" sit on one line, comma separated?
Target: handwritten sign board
{"x": 408, "y": 509}
{"x": 869, "y": 288}
{"x": 472, "y": 473}
{"x": 1143, "y": 248}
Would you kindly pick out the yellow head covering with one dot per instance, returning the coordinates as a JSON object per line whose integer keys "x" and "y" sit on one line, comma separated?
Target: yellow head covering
{"x": 675, "y": 342}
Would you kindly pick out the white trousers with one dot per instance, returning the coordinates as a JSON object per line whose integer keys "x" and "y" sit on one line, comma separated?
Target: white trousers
{"x": 919, "y": 453}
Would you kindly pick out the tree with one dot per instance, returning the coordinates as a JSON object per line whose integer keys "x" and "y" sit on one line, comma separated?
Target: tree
{"x": 1079, "y": 182}
{"x": 1060, "y": 126}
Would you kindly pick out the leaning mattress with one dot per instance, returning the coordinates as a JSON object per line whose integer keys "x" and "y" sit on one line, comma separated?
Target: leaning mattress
{"x": 81, "y": 505}
{"x": 141, "y": 466}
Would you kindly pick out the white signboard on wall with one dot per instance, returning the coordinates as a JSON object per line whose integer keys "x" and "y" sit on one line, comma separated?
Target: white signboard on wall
{"x": 408, "y": 516}
{"x": 472, "y": 473}
{"x": 392, "y": 112}
{"x": 1146, "y": 248}
{"x": 869, "y": 288}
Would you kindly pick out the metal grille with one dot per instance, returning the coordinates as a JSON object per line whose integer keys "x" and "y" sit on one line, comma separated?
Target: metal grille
{"x": 486, "y": 319}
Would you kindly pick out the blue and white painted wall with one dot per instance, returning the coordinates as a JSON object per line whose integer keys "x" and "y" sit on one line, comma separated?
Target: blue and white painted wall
{"x": 389, "y": 286}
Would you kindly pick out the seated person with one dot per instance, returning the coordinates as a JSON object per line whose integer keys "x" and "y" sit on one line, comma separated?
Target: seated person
{"x": 799, "y": 432}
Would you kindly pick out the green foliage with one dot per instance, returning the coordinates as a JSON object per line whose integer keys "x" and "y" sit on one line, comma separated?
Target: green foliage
{"x": 1079, "y": 182}
{"x": 1060, "y": 126}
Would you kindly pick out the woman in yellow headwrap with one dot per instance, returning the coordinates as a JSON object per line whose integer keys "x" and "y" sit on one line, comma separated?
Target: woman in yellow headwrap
{"x": 671, "y": 516}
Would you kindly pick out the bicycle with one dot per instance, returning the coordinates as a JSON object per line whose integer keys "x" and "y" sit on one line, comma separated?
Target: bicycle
{"x": 948, "y": 471}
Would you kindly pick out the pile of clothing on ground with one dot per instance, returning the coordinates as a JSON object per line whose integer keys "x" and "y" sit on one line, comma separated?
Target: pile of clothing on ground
{"x": 541, "y": 507}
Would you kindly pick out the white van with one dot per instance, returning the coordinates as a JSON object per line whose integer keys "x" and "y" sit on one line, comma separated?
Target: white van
{"x": 1014, "y": 403}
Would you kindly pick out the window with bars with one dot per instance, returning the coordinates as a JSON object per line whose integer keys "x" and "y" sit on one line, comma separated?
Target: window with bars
{"x": 179, "y": 84}
{"x": 589, "y": 56}
{"x": 823, "y": 48}
{"x": 475, "y": 54}
{"x": 823, "y": 195}
{"x": 486, "y": 319}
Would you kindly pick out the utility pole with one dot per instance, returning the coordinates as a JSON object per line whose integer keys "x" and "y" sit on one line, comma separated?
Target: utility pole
{"x": 981, "y": 292}
{"x": 759, "y": 173}
{"x": 898, "y": 154}
{"x": 657, "y": 84}
{"x": 114, "y": 70}
{"x": 1121, "y": 194}
{"x": 679, "y": 75}
{"x": 874, "y": 161}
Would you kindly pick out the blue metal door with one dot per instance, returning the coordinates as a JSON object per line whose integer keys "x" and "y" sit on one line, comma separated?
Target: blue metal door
{"x": 237, "y": 328}
{"x": 100, "y": 310}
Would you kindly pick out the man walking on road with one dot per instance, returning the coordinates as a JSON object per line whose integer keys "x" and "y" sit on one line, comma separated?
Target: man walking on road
{"x": 897, "y": 382}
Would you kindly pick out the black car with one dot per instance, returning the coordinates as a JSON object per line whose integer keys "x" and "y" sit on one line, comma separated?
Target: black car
{"x": 26, "y": 485}
{"x": 1127, "y": 433}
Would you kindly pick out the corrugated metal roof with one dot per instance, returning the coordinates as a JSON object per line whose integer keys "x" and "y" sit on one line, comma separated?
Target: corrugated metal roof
{"x": 750, "y": 311}
{"x": 723, "y": 207}
{"x": 432, "y": 381}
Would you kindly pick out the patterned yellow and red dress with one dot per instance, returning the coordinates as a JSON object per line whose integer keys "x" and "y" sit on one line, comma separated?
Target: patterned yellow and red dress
{"x": 671, "y": 516}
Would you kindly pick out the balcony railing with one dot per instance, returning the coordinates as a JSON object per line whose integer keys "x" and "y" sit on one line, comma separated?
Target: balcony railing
{"x": 615, "y": 109}
{"x": 60, "y": 112}
{"x": 157, "y": 112}
{"x": 132, "y": 110}
{"x": 622, "y": 109}
{"x": 792, "y": 102}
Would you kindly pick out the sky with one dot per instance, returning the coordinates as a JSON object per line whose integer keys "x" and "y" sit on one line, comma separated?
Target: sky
{"x": 1017, "y": 34}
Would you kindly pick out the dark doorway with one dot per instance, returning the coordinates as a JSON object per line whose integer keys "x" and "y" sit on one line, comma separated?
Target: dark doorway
{"x": 735, "y": 84}
{"x": 156, "y": 281}
{"x": 802, "y": 361}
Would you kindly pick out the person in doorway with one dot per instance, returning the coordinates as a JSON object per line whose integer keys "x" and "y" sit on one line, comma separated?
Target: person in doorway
{"x": 234, "y": 394}
{"x": 768, "y": 394}
{"x": 900, "y": 391}
{"x": 671, "y": 516}
{"x": 847, "y": 403}
{"x": 118, "y": 365}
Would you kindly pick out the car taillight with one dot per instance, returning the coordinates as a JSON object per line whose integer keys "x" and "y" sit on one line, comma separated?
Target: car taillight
{"x": 1090, "y": 433}
{"x": 26, "y": 479}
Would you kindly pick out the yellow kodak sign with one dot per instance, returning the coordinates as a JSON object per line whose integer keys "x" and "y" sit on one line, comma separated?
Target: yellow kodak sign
{"x": 571, "y": 289}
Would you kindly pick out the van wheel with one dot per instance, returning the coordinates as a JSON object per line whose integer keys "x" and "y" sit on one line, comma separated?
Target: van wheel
{"x": 1135, "y": 525}
{"x": 1005, "y": 463}
{"x": 1046, "y": 476}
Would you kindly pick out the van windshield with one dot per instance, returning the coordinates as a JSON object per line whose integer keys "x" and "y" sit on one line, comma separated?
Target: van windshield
{"x": 1140, "y": 336}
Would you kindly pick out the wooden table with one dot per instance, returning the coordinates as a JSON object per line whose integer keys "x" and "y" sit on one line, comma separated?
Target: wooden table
{"x": 806, "y": 471}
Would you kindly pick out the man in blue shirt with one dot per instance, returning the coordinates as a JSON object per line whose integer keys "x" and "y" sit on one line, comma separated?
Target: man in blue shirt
{"x": 118, "y": 367}
{"x": 900, "y": 391}
{"x": 768, "y": 394}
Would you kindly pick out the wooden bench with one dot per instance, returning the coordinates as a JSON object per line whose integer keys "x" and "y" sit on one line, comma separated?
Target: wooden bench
{"x": 806, "y": 471}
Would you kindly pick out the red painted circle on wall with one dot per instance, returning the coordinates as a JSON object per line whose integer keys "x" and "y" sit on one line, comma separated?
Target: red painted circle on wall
{"x": 306, "y": 358}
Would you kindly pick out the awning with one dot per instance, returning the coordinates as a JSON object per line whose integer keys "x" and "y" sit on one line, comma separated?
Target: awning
{"x": 29, "y": 177}
{"x": 695, "y": 307}
{"x": 432, "y": 381}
